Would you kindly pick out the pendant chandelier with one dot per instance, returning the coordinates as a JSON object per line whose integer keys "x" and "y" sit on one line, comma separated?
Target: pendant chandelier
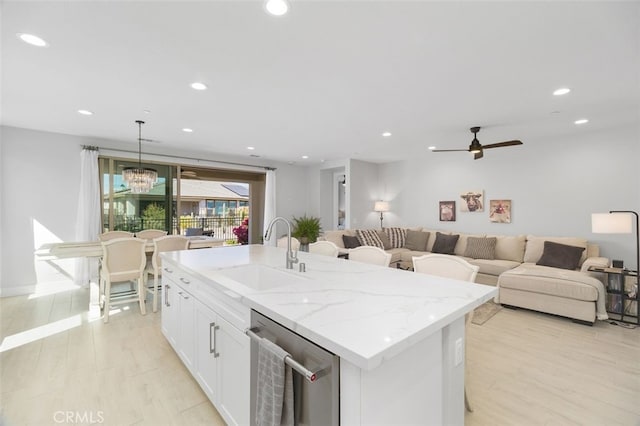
{"x": 139, "y": 180}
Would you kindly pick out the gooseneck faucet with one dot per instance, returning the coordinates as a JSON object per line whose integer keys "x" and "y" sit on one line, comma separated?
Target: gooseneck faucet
{"x": 292, "y": 256}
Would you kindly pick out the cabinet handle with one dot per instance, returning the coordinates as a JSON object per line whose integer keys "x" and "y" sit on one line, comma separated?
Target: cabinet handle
{"x": 212, "y": 349}
{"x": 166, "y": 295}
{"x": 184, "y": 280}
{"x": 168, "y": 270}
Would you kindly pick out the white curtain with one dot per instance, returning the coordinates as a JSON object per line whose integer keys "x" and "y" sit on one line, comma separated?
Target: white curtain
{"x": 88, "y": 218}
{"x": 269, "y": 204}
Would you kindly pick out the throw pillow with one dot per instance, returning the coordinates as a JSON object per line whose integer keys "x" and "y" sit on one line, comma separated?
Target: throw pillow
{"x": 350, "y": 242}
{"x": 559, "y": 255}
{"x": 397, "y": 236}
{"x": 416, "y": 240}
{"x": 481, "y": 248}
{"x": 385, "y": 240}
{"x": 369, "y": 237}
{"x": 445, "y": 244}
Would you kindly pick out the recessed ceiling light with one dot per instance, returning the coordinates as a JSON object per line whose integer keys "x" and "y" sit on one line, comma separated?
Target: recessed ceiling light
{"x": 561, "y": 91}
{"x": 85, "y": 112}
{"x": 386, "y": 134}
{"x": 32, "y": 40}
{"x": 187, "y": 130}
{"x": 250, "y": 148}
{"x": 277, "y": 7}
{"x": 581, "y": 121}
{"x": 432, "y": 148}
{"x": 146, "y": 111}
{"x": 304, "y": 157}
{"x": 199, "y": 86}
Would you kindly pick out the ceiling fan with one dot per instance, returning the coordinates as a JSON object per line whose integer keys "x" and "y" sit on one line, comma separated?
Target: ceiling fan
{"x": 476, "y": 148}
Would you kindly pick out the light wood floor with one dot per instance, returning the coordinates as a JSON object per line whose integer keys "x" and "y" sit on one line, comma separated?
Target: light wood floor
{"x": 57, "y": 357}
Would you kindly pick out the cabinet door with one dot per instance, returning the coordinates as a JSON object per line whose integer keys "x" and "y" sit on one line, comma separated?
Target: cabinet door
{"x": 206, "y": 350}
{"x": 234, "y": 388}
{"x": 170, "y": 305}
{"x": 186, "y": 327}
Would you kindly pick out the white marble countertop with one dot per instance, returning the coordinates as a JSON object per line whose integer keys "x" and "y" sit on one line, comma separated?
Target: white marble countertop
{"x": 362, "y": 313}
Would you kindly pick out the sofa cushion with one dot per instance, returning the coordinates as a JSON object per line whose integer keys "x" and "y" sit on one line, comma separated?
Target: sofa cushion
{"x": 396, "y": 236}
{"x": 559, "y": 255}
{"x": 432, "y": 237}
{"x": 416, "y": 240}
{"x": 461, "y": 245}
{"x": 510, "y": 247}
{"x": 535, "y": 246}
{"x": 336, "y": 236}
{"x": 445, "y": 244}
{"x": 386, "y": 242}
{"x": 552, "y": 281}
{"x": 493, "y": 267}
{"x": 350, "y": 241}
{"x": 369, "y": 237}
{"x": 481, "y": 248}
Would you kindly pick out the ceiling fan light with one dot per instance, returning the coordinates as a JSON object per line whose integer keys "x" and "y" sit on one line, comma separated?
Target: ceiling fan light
{"x": 475, "y": 150}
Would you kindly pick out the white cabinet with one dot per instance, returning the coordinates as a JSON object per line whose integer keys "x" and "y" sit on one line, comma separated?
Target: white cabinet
{"x": 223, "y": 364}
{"x": 178, "y": 315}
{"x": 234, "y": 368}
{"x": 206, "y": 329}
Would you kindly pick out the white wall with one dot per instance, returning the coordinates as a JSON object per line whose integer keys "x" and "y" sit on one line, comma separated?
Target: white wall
{"x": 39, "y": 191}
{"x": 554, "y": 186}
{"x": 363, "y": 189}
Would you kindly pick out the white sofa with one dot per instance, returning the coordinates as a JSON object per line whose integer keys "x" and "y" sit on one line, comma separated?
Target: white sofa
{"x": 577, "y": 294}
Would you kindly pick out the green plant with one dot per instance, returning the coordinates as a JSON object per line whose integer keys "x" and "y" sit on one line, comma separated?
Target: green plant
{"x": 306, "y": 228}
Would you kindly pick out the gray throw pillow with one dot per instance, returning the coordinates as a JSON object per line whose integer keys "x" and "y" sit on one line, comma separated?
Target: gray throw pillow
{"x": 445, "y": 244}
{"x": 481, "y": 248}
{"x": 386, "y": 242}
{"x": 559, "y": 255}
{"x": 416, "y": 240}
{"x": 350, "y": 242}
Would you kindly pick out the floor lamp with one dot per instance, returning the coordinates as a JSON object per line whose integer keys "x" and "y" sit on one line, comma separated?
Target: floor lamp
{"x": 381, "y": 206}
{"x": 617, "y": 222}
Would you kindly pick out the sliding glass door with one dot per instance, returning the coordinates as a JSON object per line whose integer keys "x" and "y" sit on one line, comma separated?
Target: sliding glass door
{"x": 123, "y": 210}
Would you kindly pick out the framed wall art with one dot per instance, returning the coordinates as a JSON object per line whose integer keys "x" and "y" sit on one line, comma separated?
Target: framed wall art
{"x": 500, "y": 211}
{"x": 447, "y": 211}
{"x": 472, "y": 201}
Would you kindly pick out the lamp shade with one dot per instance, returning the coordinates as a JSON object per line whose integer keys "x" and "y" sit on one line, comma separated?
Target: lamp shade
{"x": 611, "y": 223}
{"x": 381, "y": 206}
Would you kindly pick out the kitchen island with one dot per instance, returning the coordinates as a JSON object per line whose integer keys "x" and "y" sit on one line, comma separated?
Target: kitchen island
{"x": 399, "y": 335}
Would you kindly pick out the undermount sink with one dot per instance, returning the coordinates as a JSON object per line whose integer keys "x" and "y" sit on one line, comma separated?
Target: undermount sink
{"x": 260, "y": 277}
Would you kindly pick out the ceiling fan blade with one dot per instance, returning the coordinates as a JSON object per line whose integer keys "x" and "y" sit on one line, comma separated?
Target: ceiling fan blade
{"x": 448, "y": 150}
{"x": 478, "y": 155}
{"x": 501, "y": 144}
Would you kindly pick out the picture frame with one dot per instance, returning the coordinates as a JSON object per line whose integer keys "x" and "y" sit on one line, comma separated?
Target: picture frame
{"x": 500, "y": 211}
{"x": 447, "y": 211}
{"x": 473, "y": 201}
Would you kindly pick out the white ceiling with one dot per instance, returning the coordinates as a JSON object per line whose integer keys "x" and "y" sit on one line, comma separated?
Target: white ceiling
{"x": 325, "y": 80}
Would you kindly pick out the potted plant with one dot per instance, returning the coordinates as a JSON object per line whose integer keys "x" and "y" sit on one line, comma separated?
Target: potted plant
{"x": 306, "y": 229}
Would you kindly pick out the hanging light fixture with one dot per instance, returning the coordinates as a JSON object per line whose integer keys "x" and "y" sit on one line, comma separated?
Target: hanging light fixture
{"x": 139, "y": 180}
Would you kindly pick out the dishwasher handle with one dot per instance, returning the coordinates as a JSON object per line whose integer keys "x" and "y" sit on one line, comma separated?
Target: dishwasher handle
{"x": 311, "y": 376}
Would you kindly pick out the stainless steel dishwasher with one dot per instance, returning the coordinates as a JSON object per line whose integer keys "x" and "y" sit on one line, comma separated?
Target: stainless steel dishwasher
{"x": 316, "y": 373}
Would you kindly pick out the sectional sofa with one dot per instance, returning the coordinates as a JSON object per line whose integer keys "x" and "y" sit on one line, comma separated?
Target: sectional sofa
{"x": 531, "y": 272}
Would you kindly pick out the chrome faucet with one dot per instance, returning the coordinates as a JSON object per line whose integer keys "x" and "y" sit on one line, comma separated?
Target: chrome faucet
{"x": 292, "y": 257}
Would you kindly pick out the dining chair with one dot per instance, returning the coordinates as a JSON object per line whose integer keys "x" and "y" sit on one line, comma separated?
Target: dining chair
{"x": 123, "y": 260}
{"x": 110, "y": 235}
{"x": 446, "y": 266}
{"x": 282, "y": 242}
{"x": 370, "y": 254}
{"x": 150, "y": 234}
{"x": 162, "y": 244}
{"x": 326, "y": 248}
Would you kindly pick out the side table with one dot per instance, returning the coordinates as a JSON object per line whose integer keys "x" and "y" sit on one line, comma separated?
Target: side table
{"x": 622, "y": 293}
